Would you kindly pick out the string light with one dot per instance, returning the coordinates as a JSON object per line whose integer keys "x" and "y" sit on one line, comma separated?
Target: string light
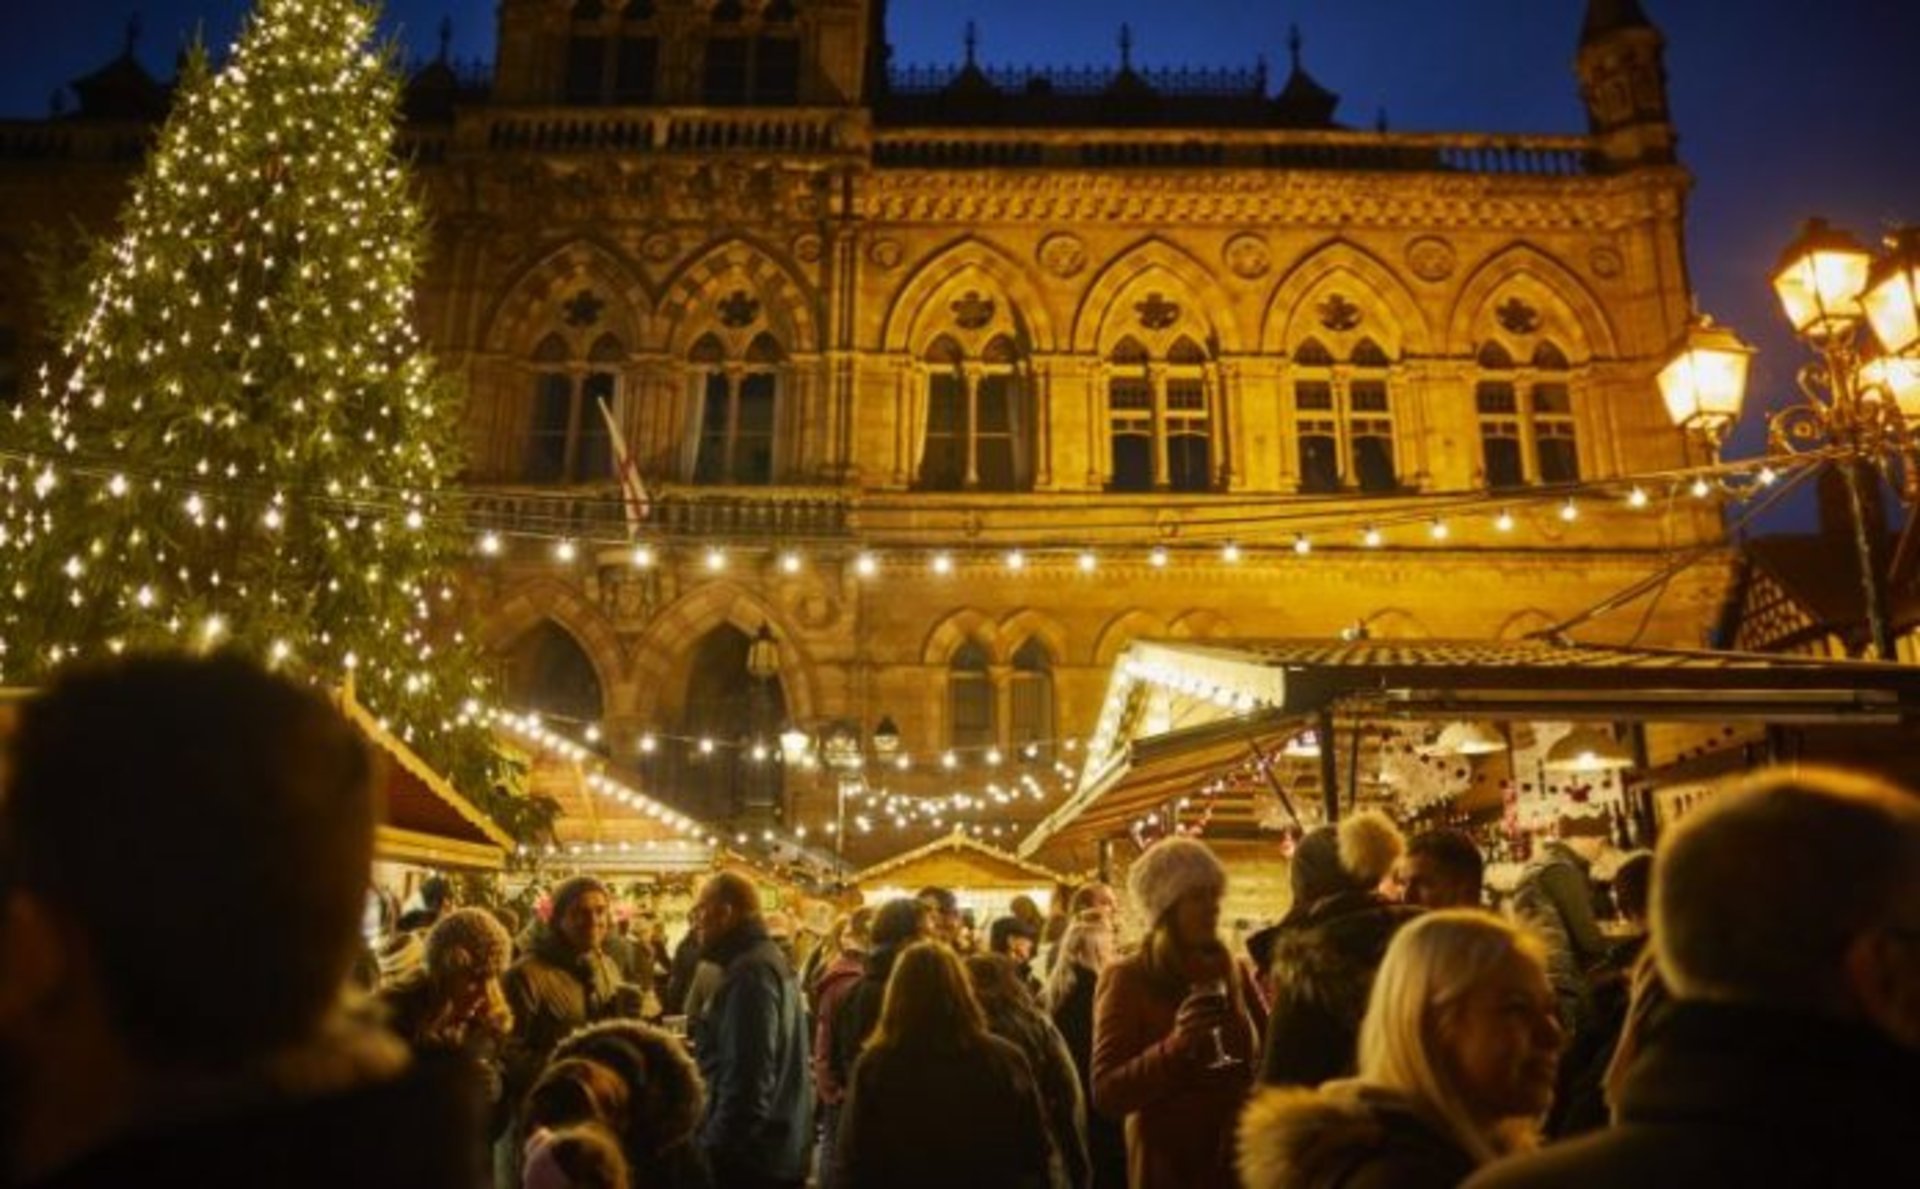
{"x": 1438, "y": 530}
{"x": 1569, "y": 512}
{"x": 1371, "y": 537}
{"x": 1087, "y": 562}
{"x": 1501, "y": 523}
{"x": 1301, "y": 544}
{"x": 942, "y": 563}
{"x": 790, "y": 562}
{"x": 865, "y": 565}
{"x": 1637, "y": 498}
{"x": 565, "y": 551}
{"x": 1230, "y": 553}
{"x": 1157, "y": 558}
{"x": 642, "y": 557}
{"x": 1016, "y": 560}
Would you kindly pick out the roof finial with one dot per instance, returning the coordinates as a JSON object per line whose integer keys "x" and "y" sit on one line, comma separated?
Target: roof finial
{"x": 973, "y": 41}
{"x": 1293, "y": 44}
{"x": 1126, "y": 47}
{"x": 446, "y": 37}
{"x": 133, "y": 34}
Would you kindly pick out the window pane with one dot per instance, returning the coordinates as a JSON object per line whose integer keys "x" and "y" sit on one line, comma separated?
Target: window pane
{"x": 1032, "y": 709}
{"x": 1559, "y": 461}
{"x": 996, "y": 396}
{"x": 546, "y": 460}
{"x": 756, "y": 403}
{"x": 777, "y": 71}
{"x": 944, "y": 461}
{"x": 1319, "y": 463}
{"x": 753, "y": 442}
{"x": 1495, "y": 396}
{"x": 972, "y": 703}
{"x": 1502, "y": 458}
{"x": 946, "y": 403}
{"x": 1373, "y": 462}
{"x": 726, "y": 76}
{"x": 710, "y": 465}
{"x": 1189, "y": 459}
{"x": 1186, "y": 396}
{"x": 1314, "y": 395}
{"x": 1552, "y": 398}
{"x": 593, "y": 458}
{"x": 634, "y": 73}
{"x": 586, "y": 68}
{"x": 1132, "y": 461}
{"x": 1368, "y": 396}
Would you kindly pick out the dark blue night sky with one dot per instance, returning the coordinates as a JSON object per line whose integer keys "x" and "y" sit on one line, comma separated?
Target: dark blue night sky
{"x": 1784, "y": 108}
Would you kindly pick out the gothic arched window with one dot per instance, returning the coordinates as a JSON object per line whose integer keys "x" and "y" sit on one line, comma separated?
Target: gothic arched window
{"x": 752, "y": 59}
{"x": 612, "y": 56}
{"x": 1526, "y": 418}
{"x": 548, "y": 671}
{"x": 979, "y": 419}
{"x": 1030, "y": 714}
{"x": 738, "y": 406}
{"x": 566, "y": 440}
{"x": 970, "y": 710}
{"x": 1159, "y": 420}
{"x": 1343, "y": 419}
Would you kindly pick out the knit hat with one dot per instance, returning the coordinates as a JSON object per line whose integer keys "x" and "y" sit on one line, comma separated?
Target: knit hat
{"x": 570, "y": 890}
{"x": 1170, "y": 869}
{"x": 468, "y": 939}
{"x": 1352, "y": 857}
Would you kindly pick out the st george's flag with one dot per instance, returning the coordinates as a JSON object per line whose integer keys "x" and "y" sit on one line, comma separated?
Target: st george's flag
{"x": 634, "y": 498}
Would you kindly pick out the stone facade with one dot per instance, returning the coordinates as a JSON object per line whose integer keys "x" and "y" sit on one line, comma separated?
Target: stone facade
{"x": 830, "y": 328}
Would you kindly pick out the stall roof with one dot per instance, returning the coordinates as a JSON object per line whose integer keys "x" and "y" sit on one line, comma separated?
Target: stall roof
{"x": 426, "y": 819}
{"x": 1177, "y": 710}
{"x": 957, "y": 858}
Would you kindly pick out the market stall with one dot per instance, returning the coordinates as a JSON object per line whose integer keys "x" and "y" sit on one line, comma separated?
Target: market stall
{"x": 984, "y": 878}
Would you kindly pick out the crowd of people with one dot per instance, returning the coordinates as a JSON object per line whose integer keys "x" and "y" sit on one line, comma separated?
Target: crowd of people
{"x": 185, "y": 999}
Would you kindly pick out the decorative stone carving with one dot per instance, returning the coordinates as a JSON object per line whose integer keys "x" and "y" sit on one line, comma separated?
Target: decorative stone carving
{"x": 1337, "y": 313}
{"x": 739, "y": 309}
{"x": 1605, "y": 262}
{"x": 886, "y": 253}
{"x": 1156, "y": 312}
{"x": 807, "y": 248}
{"x": 582, "y": 309}
{"x": 659, "y": 248}
{"x": 1517, "y": 317}
{"x": 1247, "y": 256}
{"x": 1430, "y": 258}
{"x": 972, "y": 311}
{"x": 1062, "y": 254}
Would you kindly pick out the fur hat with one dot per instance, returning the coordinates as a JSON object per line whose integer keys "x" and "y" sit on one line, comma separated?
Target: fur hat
{"x": 468, "y": 939}
{"x": 1171, "y": 868}
{"x": 569, "y": 891}
{"x": 665, "y": 1091}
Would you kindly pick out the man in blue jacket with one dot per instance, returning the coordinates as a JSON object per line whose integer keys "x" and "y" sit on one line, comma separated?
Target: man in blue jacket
{"x": 752, "y": 1046}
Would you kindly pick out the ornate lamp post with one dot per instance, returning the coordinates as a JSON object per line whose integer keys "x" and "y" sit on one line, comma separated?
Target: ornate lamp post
{"x": 763, "y": 666}
{"x": 1860, "y": 401}
{"x": 844, "y": 753}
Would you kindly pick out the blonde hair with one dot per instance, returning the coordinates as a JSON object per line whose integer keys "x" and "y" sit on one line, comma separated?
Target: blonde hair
{"x": 1431, "y": 965}
{"x": 1369, "y": 845}
{"x": 1088, "y": 942}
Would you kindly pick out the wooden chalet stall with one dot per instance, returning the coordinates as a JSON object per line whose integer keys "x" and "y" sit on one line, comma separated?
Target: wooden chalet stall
{"x": 984, "y": 878}
{"x": 425, "y": 822}
{"x": 1242, "y": 742}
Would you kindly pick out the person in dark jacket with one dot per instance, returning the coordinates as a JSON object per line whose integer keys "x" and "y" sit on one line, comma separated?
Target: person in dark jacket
{"x": 245, "y": 803}
{"x": 1086, "y": 949}
{"x": 938, "y": 1101}
{"x": 436, "y": 901}
{"x": 566, "y": 979}
{"x": 896, "y": 925}
{"x": 1324, "y": 952}
{"x": 1012, "y": 1015}
{"x": 455, "y": 1005}
{"x": 1457, "y": 1060}
{"x": 751, "y": 1044}
{"x": 1786, "y": 925}
{"x": 1555, "y": 898}
{"x": 680, "y": 971}
{"x": 1011, "y": 937}
{"x": 852, "y": 937}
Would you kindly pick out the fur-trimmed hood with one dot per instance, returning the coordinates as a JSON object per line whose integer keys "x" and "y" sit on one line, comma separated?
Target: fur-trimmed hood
{"x": 1346, "y": 1135}
{"x": 669, "y": 1098}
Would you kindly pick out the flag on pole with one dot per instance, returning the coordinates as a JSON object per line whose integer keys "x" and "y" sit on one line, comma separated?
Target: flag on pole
{"x": 634, "y": 499}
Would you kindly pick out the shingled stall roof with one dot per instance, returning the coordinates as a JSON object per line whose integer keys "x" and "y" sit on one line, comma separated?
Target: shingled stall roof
{"x": 956, "y": 860}
{"x": 426, "y": 820}
{"x": 1177, "y": 712}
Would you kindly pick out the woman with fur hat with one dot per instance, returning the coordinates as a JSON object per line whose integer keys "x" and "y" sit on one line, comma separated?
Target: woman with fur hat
{"x": 1323, "y": 954}
{"x": 1457, "y": 1057}
{"x": 1176, "y": 1026}
{"x": 453, "y": 1003}
{"x": 639, "y": 1083}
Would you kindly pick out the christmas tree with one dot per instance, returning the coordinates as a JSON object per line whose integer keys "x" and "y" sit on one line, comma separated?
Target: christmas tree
{"x": 242, "y": 444}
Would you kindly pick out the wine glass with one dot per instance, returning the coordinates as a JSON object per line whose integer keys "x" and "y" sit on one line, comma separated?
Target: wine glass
{"x": 1216, "y": 989}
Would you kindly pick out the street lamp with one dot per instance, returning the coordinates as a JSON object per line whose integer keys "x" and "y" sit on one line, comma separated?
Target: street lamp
{"x": 1861, "y": 408}
{"x": 763, "y": 666}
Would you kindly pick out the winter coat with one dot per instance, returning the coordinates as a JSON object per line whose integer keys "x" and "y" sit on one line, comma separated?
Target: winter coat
{"x": 1747, "y": 1096}
{"x": 751, "y": 1044}
{"x": 476, "y": 1049}
{"x": 1344, "y": 1135}
{"x": 666, "y": 1099}
{"x": 1028, "y": 1029}
{"x": 932, "y": 1119}
{"x": 835, "y": 983}
{"x": 1179, "y": 1113}
{"x": 1106, "y": 1138}
{"x": 1322, "y": 974}
{"x": 858, "y": 1012}
{"x": 552, "y": 991}
{"x": 1555, "y": 898}
{"x": 351, "y": 1112}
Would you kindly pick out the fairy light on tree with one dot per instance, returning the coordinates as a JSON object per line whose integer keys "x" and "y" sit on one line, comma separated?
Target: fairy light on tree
{"x": 247, "y": 332}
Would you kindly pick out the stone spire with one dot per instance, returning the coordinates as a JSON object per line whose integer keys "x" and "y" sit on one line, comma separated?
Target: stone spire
{"x": 1623, "y": 81}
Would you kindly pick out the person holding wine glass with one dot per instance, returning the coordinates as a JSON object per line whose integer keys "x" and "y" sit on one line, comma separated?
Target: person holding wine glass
{"x": 1177, "y": 1026}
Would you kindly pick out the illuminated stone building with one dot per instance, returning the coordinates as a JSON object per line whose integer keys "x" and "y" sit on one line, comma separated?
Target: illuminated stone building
{"x": 1012, "y": 340}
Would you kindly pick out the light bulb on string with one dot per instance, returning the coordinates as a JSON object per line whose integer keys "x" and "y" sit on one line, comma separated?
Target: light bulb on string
{"x": 716, "y": 559}
{"x": 1569, "y": 512}
{"x": 565, "y": 551}
{"x": 1371, "y": 538}
{"x": 1157, "y": 557}
{"x": 1701, "y": 488}
{"x": 1637, "y": 498}
{"x": 642, "y": 557}
{"x": 1438, "y": 530}
{"x": 1503, "y": 522}
{"x": 490, "y": 544}
{"x": 1301, "y": 544}
{"x": 1087, "y": 562}
{"x": 865, "y": 565}
{"x": 942, "y": 563}
{"x": 1016, "y": 560}
{"x": 790, "y": 562}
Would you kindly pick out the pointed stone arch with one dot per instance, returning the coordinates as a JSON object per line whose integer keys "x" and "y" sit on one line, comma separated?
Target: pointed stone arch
{"x": 516, "y": 320}
{"x": 916, "y": 312}
{"x": 690, "y": 301}
{"x": 947, "y": 636}
{"x": 529, "y": 604}
{"x": 1201, "y": 623}
{"x": 1122, "y": 630}
{"x": 1017, "y": 627}
{"x": 1522, "y": 267}
{"x": 1154, "y": 261}
{"x": 664, "y": 650}
{"x": 1289, "y": 312}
